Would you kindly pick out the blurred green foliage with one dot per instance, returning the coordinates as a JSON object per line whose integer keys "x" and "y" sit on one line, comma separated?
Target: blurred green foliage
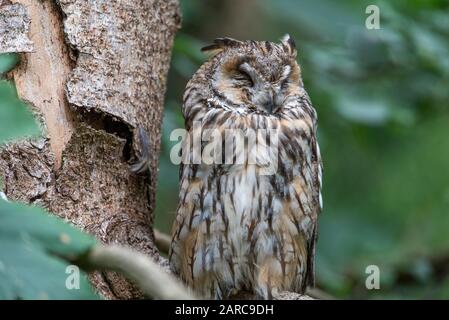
{"x": 8, "y": 61}
{"x": 35, "y": 249}
{"x": 382, "y": 97}
{"x": 16, "y": 120}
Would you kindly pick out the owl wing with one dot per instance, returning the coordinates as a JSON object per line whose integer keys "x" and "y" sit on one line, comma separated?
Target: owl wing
{"x": 193, "y": 108}
{"x": 316, "y": 167}
{"x": 306, "y": 182}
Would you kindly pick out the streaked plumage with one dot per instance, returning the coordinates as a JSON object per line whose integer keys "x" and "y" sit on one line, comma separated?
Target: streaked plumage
{"x": 237, "y": 230}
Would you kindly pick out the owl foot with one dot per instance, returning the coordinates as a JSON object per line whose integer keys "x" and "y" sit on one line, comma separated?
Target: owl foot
{"x": 142, "y": 164}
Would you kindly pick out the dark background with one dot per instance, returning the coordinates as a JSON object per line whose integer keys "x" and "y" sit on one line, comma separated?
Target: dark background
{"x": 382, "y": 100}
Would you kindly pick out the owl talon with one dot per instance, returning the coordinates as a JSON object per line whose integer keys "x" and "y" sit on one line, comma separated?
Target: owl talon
{"x": 143, "y": 160}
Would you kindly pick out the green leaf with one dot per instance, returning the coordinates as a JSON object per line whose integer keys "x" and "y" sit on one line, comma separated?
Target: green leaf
{"x": 16, "y": 120}
{"x": 35, "y": 253}
{"x": 8, "y": 61}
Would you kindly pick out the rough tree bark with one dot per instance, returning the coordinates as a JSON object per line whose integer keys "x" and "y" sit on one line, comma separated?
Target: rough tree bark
{"x": 92, "y": 71}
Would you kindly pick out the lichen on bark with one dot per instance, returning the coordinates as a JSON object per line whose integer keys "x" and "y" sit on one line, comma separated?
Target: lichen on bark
{"x": 14, "y": 25}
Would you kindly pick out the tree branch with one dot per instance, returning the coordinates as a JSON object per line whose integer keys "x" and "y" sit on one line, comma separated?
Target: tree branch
{"x": 148, "y": 275}
{"x": 162, "y": 241}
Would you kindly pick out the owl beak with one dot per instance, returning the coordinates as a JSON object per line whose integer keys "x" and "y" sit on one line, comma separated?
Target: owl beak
{"x": 269, "y": 104}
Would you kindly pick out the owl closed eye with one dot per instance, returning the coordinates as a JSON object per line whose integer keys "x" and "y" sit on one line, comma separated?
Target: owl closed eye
{"x": 258, "y": 75}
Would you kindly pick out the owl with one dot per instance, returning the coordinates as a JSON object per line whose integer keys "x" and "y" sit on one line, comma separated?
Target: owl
{"x": 240, "y": 227}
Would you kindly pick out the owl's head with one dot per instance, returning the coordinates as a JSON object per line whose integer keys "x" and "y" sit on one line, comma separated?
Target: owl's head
{"x": 259, "y": 75}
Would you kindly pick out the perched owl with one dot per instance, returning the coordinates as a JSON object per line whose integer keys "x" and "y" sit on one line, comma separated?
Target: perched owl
{"x": 238, "y": 227}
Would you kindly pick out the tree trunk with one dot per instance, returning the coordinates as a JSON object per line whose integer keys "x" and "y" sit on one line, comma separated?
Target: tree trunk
{"x": 92, "y": 71}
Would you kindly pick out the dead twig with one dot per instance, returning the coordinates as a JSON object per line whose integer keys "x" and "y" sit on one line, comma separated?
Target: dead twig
{"x": 148, "y": 275}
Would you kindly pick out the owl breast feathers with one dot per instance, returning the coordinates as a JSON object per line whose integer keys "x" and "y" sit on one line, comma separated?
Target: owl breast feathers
{"x": 248, "y": 226}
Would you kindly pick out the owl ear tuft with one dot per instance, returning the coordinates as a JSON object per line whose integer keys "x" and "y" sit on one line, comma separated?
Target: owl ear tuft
{"x": 220, "y": 44}
{"x": 289, "y": 44}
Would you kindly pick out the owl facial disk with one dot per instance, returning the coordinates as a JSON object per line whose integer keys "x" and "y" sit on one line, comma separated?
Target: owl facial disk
{"x": 264, "y": 94}
{"x": 260, "y": 83}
